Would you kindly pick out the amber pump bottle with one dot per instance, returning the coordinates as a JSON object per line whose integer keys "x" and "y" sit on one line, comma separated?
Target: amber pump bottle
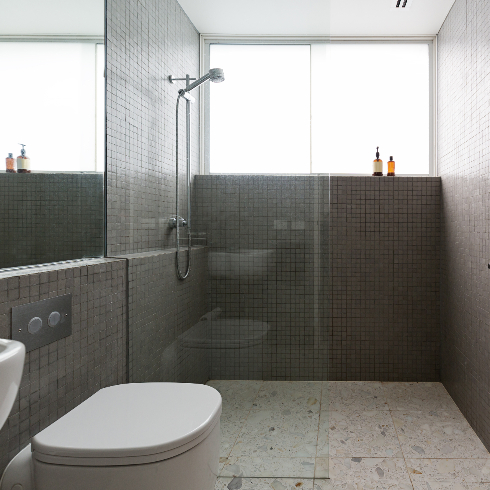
{"x": 391, "y": 168}
{"x": 377, "y": 165}
{"x": 10, "y": 164}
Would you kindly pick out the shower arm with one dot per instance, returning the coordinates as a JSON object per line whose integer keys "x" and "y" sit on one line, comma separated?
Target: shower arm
{"x": 196, "y": 83}
{"x": 214, "y": 74}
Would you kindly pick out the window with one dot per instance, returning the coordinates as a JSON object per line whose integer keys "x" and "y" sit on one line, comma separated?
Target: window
{"x": 53, "y": 100}
{"x": 318, "y": 107}
{"x": 260, "y": 115}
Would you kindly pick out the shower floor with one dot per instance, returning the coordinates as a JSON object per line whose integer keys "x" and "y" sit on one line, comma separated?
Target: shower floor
{"x": 279, "y": 435}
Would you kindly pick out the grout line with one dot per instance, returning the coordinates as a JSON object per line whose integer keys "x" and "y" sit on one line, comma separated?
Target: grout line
{"x": 397, "y": 436}
{"x": 401, "y": 449}
{"x": 318, "y": 433}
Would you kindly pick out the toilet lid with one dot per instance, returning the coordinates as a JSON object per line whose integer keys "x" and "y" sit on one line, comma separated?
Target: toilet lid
{"x": 131, "y": 420}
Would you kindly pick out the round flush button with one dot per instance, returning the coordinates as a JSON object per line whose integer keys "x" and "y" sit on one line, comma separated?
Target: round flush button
{"x": 35, "y": 325}
{"x": 54, "y": 318}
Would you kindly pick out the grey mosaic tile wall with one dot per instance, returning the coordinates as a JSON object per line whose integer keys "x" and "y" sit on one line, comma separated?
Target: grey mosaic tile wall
{"x": 385, "y": 236}
{"x": 463, "y": 143}
{"x": 163, "y": 314}
{"x": 353, "y": 295}
{"x": 60, "y": 376}
{"x": 146, "y": 42}
{"x": 50, "y": 217}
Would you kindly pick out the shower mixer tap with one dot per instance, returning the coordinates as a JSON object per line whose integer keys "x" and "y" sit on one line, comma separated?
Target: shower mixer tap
{"x": 172, "y": 222}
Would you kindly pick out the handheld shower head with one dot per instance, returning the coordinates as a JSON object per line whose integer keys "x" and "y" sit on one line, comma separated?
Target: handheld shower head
{"x": 215, "y": 75}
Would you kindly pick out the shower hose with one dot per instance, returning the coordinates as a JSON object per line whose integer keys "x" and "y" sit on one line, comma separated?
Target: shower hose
{"x": 181, "y": 275}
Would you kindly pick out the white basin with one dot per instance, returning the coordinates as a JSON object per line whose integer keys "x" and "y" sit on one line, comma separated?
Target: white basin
{"x": 12, "y": 354}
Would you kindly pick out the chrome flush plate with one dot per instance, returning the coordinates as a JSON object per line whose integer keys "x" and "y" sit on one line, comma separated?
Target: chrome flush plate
{"x": 43, "y": 322}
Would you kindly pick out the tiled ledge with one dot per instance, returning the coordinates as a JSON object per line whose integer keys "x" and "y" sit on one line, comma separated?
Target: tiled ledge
{"x": 54, "y": 266}
{"x": 155, "y": 253}
{"x": 312, "y": 176}
{"x": 71, "y": 264}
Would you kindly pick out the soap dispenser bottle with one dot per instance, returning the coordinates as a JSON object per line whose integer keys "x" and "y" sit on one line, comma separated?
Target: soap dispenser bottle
{"x": 10, "y": 164}
{"x": 23, "y": 162}
{"x": 391, "y": 168}
{"x": 377, "y": 165}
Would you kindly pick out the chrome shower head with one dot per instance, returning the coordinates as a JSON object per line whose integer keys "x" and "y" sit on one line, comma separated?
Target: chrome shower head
{"x": 215, "y": 75}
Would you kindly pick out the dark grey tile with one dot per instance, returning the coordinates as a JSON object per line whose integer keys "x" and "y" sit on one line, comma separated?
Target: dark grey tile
{"x": 463, "y": 142}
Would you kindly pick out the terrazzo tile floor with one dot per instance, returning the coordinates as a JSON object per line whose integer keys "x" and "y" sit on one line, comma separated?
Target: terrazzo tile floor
{"x": 285, "y": 435}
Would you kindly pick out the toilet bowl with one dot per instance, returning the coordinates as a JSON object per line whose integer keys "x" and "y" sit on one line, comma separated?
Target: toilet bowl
{"x": 152, "y": 436}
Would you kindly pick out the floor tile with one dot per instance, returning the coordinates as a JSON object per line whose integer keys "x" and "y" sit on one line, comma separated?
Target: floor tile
{"x": 437, "y": 435}
{"x": 236, "y": 395}
{"x": 267, "y": 467}
{"x": 263, "y": 484}
{"x": 270, "y": 431}
{"x": 289, "y": 394}
{"x": 280, "y": 434}
{"x": 353, "y": 395}
{"x": 231, "y": 423}
{"x": 365, "y": 485}
{"x": 418, "y": 396}
{"x": 358, "y": 434}
{"x": 444, "y": 470}
{"x": 363, "y": 473}
{"x": 451, "y": 485}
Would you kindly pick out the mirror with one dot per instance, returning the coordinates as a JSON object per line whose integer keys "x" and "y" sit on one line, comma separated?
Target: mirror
{"x": 52, "y": 99}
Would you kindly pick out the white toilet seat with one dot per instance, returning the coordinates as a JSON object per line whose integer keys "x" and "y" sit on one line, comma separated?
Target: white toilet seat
{"x": 122, "y": 425}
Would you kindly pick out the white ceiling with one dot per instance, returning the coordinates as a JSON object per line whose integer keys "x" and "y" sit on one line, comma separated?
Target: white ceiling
{"x": 316, "y": 17}
{"x": 52, "y": 17}
{"x": 246, "y": 17}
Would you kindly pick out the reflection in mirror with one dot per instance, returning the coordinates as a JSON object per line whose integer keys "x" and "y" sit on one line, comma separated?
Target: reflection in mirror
{"x": 52, "y": 131}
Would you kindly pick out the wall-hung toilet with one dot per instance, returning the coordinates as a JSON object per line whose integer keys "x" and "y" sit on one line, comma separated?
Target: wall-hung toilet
{"x": 221, "y": 342}
{"x": 151, "y": 436}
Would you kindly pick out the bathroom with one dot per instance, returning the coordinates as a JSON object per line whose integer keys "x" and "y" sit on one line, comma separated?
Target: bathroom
{"x": 341, "y": 316}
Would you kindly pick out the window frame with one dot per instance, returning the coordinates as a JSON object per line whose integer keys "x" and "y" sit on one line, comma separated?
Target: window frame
{"x": 207, "y": 40}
